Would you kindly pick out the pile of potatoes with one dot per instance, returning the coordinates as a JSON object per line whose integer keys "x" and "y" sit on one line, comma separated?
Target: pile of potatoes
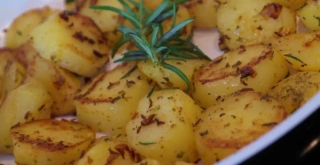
{"x": 54, "y": 64}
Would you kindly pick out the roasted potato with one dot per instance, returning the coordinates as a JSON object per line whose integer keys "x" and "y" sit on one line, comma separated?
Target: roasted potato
{"x": 11, "y": 72}
{"x": 110, "y": 150}
{"x": 300, "y": 50}
{"x": 257, "y": 66}
{"x": 296, "y": 90}
{"x": 109, "y": 28}
{"x": 235, "y": 121}
{"x": 243, "y": 24}
{"x": 27, "y": 102}
{"x": 19, "y": 29}
{"x": 160, "y": 122}
{"x": 60, "y": 84}
{"x": 204, "y": 12}
{"x": 50, "y": 142}
{"x": 291, "y": 4}
{"x": 72, "y": 41}
{"x": 166, "y": 78}
{"x": 109, "y": 101}
{"x": 14, "y": 73}
{"x": 309, "y": 15}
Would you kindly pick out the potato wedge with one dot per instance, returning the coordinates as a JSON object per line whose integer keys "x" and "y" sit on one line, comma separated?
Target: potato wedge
{"x": 296, "y": 90}
{"x": 29, "y": 101}
{"x": 300, "y": 50}
{"x": 235, "y": 121}
{"x": 60, "y": 84}
{"x": 166, "y": 78}
{"x": 257, "y": 66}
{"x": 18, "y": 31}
{"x": 243, "y": 24}
{"x": 160, "y": 122}
{"x": 50, "y": 142}
{"x": 73, "y": 41}
{"x": 109, "y": 101}
{"x": 110, "y": 150}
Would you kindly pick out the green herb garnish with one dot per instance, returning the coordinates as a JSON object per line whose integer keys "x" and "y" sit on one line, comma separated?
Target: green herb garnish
{"x": 19, "y": 33}
{"x": 148, "y": 36}
{"x": 69, "y": 1}
{"x": 318, "y": 19}
{"x": 147, "y": 143}
{"x": 293, "y": 57}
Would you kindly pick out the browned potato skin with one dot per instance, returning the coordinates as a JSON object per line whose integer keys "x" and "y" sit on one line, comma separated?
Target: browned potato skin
{"x": 296, "y": 90}
{"x": 60, "y": 84}
{"x": 12, "y": 71}
{"x": 50, "y": 142}
{"x": 163, "y": 119}
{"x": 21, "y": 26}
{"x": 291, "y": 4}
{"x": 73, "y": 41}
{"x": 108, "y": 28}
{"x": 6, "y": 55}
{"x": 110, "y": 150}
{"x": 242, "y": 24}
{"x": 235, "y": 121}
{"x": 108, "y": 102}
{"x": 246, "y": 67}
{"x": 29, "y": 101}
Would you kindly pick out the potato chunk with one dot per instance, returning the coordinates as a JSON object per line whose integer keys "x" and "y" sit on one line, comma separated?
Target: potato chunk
{"x": 296, "y": 90}
{"x": 50, "y": 142}
{"x": 29, "y": 101}
{"x": 73, "y": 41}
{"x": 14, "y": 73}
{"x": 300, "y": 50}
{"x": 60, "y": 84}
{"x": 161, "y": 120}
{"x": 107, "y": 21}
{"x": 11, "y": 72}
{"x": 109, "y": 101}
{"x": 244, "y": 24}
{"x": 291, "y": 4}
{"x": 309, "y": 15}
{"x": 235, "y": 121}
{"x": 258, "y": 67}
{"x": 110, "y": 150}
{"x": 18, "y": 31}
{"x": 204, "y": 12}
{"x": 166, "y": 78}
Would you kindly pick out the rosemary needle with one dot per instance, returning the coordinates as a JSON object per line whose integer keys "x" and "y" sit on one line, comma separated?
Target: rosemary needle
{"x": 148, "y": 36}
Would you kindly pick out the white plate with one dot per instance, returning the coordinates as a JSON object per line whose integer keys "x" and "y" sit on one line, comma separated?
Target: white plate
{"x": 207, "y": 41}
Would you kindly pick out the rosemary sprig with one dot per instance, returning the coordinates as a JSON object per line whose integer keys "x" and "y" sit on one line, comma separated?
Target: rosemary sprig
{"x": 148, "y": 36}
